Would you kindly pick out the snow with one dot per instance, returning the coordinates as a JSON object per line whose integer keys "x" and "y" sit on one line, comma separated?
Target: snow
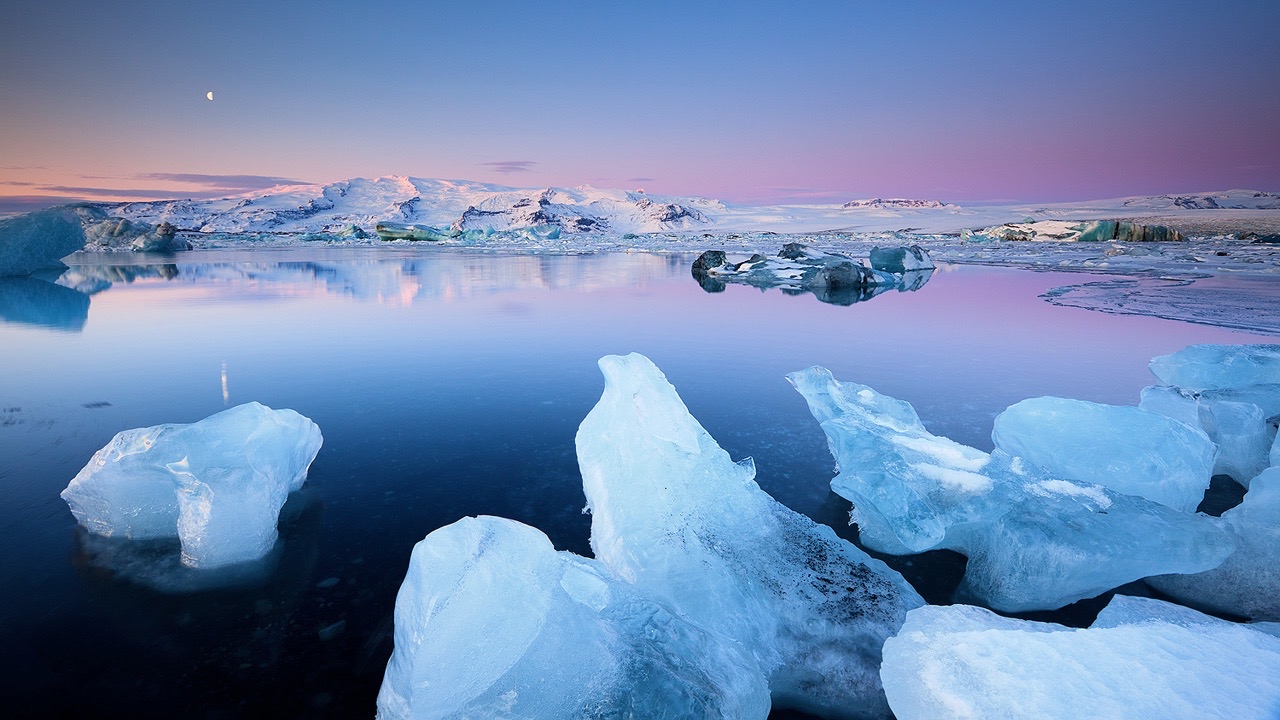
{"x": 1034, "y": 541}
{"x": 492, "y": 621}
{"x": 1128, "y": 449}
{"x": 673, "y": 514}
{"x": 38, "y": 240}
{"x": 1141, "y": 658}
{"x": 217, "y": 484}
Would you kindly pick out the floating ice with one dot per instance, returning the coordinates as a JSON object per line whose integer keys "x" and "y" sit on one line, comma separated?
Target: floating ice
{"x": 1088, "y": 231}
{"x": 38, "y": 240}
{"x": 1034, "y": 541}
{"x": 1207, "y": 367}
{"x": 1247, "y": 583}
{"x": 673, "y": 514}
{"x": 833, "y": 278}
{"x": 1142, "y": 659}
{"x": 900, "y": 259}
{"x": 1241, "y": 421}
{"x": 1130, "y": 450}
{"x": 492, "y": 622}
{"x": 217, "y": 484}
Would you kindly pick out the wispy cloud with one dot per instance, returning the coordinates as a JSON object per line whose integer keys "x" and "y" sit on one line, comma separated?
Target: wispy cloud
{"x": 642, "y": 179}
{"x": 507, "y": 167}
{"x": 223, "y": 182}
{"x": 110, "y": 192}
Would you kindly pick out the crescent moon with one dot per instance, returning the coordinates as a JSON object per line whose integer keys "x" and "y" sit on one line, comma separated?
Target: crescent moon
{"x": 209, "y": 94}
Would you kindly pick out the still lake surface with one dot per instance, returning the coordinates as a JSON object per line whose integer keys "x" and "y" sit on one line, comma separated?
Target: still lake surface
{"x": 446, "y": 384}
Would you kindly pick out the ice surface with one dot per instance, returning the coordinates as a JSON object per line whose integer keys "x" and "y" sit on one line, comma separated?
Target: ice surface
{"x": 1034, "y": 541}
{"x": 1206, "y": 367}
{"x": 492, "y": 621}
{"x": 1130, "y": 450}
{"x": 217, "y": 484}
{"x": 673, "y": 514}
{"x": 38, "y": 240}
{"x": 1142, "y": 659}
{"x": 1240, "y": 431}
{"x": 1247, "y": 583}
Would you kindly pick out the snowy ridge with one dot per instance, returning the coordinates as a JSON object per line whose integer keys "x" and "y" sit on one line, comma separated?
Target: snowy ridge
{"x": 339, "y": 208}
{"x": 461, "y": 205}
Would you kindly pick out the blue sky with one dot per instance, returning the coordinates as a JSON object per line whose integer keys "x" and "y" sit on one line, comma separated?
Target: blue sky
{"x": 745, "y": 101}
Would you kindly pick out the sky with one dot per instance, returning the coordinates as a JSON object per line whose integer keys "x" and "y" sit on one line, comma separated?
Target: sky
{"x": 749, "y": 102}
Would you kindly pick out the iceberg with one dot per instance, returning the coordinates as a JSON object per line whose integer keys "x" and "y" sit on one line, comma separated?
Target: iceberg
{"x": 674, "y": 515}
{"x": 1213, "y": 367}
{"x": 38, "y": 240}
{"x": 1141, "y": 658}
{"x": 1128, "y": 449}
{"x": 900, "y": 260}
{"x": 492, "y": 621}
{"x": 217, "y": 484}
{"x": 1247, "y": 583}
{"x": 1034, "y": 540}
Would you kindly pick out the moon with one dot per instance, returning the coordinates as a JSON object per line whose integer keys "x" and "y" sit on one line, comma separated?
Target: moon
{"x": 209, "y": 94}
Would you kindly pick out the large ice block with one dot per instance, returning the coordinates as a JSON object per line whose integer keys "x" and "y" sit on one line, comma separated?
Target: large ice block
{"x": 1142, "y": 659}
{"x": 1207, "y": 367}
{"x": 492, "y": 622}
{"x": 1035, "y": 540}
{"x": 1127, "y": 449}
{"x": 217, "y": 484}
{"x": 38, "y": 240}
{"x": 673, "y": 514}
{"x": 1247, "y": 583}
{"x": 1239, "y": 420}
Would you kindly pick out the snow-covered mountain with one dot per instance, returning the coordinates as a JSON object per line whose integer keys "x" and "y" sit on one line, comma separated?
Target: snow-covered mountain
{"x": 459, "y": 205}
{"x": 450, "y": 207}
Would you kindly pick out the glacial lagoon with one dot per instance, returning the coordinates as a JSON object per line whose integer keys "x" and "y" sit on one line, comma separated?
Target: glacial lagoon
{"x": 447, "y": 384}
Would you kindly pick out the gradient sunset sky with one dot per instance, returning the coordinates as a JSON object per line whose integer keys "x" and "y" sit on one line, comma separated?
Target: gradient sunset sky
{"x": 742, "y": 101}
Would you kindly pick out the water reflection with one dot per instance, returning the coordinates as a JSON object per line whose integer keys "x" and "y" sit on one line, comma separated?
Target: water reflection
{"x": 157, "y": 564}
{"x": 32, "y": 301}
{"x": 392, "y": 281}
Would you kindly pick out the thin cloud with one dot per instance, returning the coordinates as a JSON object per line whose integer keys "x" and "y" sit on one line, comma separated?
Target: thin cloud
{"x": 223, "y": 182}
{"x": 642, "y": 179}
{"x": 31, "y": 203}
{"x": 111, "y": 192}
{"x": 507, "y": 167}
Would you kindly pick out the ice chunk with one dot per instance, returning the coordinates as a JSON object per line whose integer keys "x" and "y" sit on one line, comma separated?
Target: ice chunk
{"x": 1240, "y": 431}
{"x": 1034, "y": 541}
{"x": 672, "y": 513}
{"x": 1204, "y": 367}
{"x": 492, "y": 622}
{"x": 1130, "y": 450}
{"x": 217, "y": 484}
{"x": 1142, "y": 659}
{"x": 38, "y": 240}
{"x": 1241, "y": 421}
{"x": 1247, "y": 583}
{"x": 900, "y": 259}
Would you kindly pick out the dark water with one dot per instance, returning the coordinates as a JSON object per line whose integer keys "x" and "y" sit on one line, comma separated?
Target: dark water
{"x": 446, "y": 385}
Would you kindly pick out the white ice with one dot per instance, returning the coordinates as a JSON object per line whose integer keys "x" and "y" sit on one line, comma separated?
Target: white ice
{"x": 217, "y": 484}
{"x": 1034, "y": 541}
{"x": 1247, "y": 583}
{"x": 1142, "y": 658}
{"x": 673, "y": 514}
{"x": 1127, "y": 449}
{"x": 493, "y": 622}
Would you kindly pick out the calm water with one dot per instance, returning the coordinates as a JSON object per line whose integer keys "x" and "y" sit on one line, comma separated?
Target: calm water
{"x": 446, "y": 385}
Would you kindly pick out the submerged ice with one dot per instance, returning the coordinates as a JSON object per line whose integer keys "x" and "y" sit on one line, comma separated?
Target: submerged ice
{"x": 1034, "y": 540}
{"x": 1140, "y": 658}
{"x": 675, "y": 516}
{"x": 217, "y": 484}
{"x": 492, "y": 621}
